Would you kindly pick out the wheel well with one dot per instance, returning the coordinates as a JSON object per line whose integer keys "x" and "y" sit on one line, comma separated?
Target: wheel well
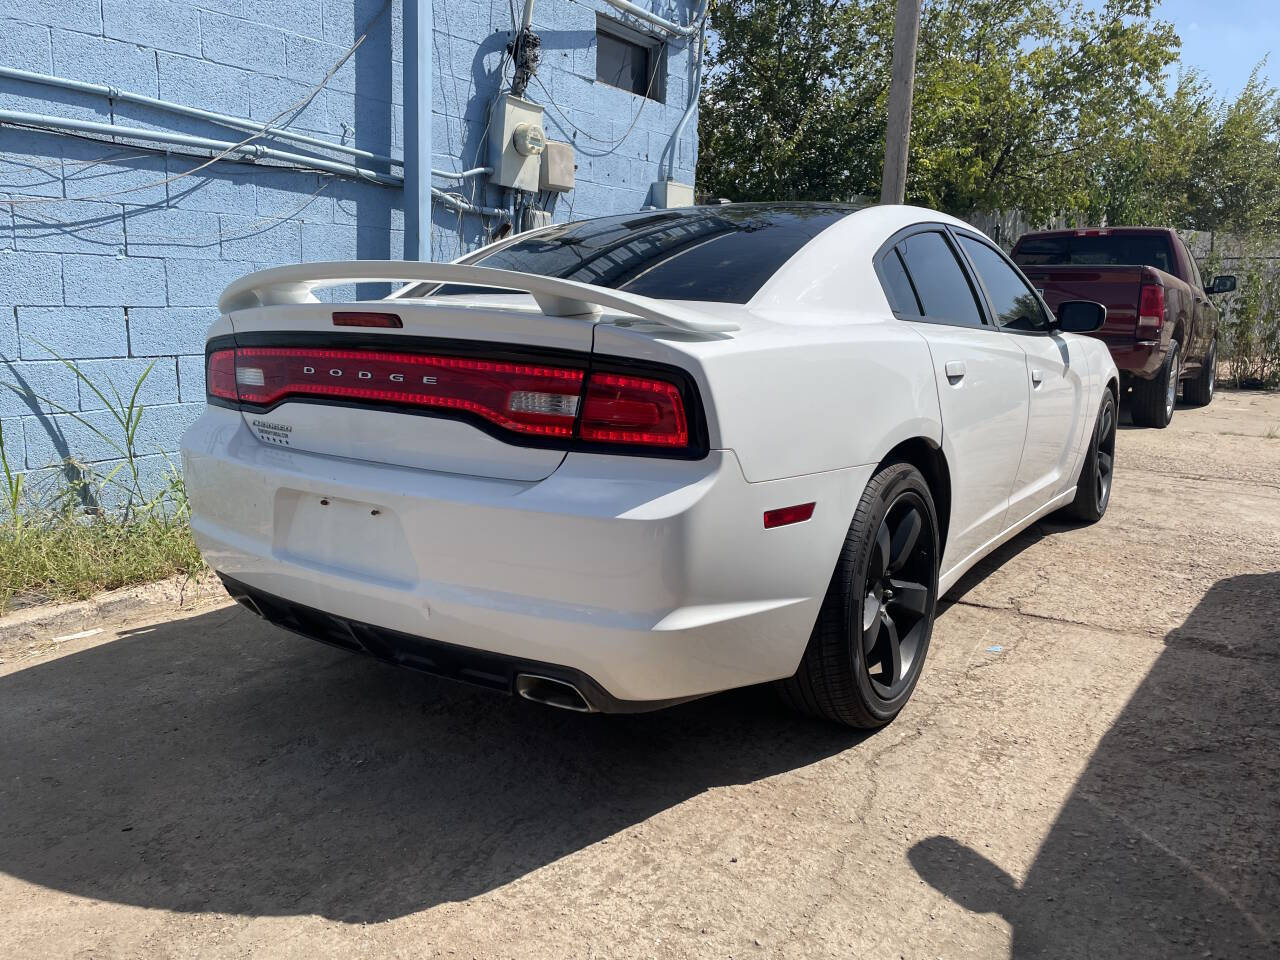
{"x": 928, "y": 458}
{"x": 1114, "y": 387}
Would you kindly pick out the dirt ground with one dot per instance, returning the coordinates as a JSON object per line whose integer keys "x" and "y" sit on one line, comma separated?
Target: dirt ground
{"x": 1090, "y": 768}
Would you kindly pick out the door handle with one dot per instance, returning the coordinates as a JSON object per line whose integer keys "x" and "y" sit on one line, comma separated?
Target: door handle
{"x": 955, "y": 371}
{"x": 1036, "y": 376}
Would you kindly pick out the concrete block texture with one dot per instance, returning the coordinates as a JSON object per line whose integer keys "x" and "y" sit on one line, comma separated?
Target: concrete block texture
{"x": 114, "y": 253}
{"x": 114, "y": 382}
{"x": 96, "y": 281}
{"x": 30, "y": 279}
{"x": 72, "y": 333}
{"x": 166, "y": 331}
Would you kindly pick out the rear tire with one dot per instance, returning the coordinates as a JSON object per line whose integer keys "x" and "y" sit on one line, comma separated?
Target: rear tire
{"x": 872, "y": 633}
{"x": 1154, "y": 399}
{"x": 1093, "y": 491}
{"x": 1199, "y": 392}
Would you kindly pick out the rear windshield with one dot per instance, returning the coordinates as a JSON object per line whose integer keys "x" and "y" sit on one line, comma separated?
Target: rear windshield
{"x": 1130, "y": 249}
{"x": 722, "y": 254}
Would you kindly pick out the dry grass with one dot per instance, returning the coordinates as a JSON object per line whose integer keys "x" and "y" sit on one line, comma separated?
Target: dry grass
{"x": 73, "y": 559}
{"x": 91, "y": 531}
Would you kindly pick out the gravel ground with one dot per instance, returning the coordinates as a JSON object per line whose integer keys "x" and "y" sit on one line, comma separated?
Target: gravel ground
{"x": 1089, "y": 768}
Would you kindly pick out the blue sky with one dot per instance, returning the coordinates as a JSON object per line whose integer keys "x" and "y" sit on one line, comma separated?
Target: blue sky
{"x": 1225, "y": 38}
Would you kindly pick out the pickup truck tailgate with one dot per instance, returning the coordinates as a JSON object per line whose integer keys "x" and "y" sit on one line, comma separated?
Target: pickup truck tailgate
{"x": 1117, "y": 288}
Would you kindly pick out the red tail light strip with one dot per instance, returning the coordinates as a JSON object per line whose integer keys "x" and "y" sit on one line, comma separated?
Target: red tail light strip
{"x": 634, "y": 410}
{"x": 266, "y": 375}
{"x": 529, "y": 399}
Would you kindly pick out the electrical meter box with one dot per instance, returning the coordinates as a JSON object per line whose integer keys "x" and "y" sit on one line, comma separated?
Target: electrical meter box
{"x": 557, "y": 167}
{"x": 669, "y": 193}
{"x": 516, "y": 142}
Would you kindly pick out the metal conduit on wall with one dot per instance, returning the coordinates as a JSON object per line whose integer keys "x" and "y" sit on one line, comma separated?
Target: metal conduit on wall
{"x": 238, "y": 123}
{"x": 678, "y": 29}
{"x": 250, "y": 150}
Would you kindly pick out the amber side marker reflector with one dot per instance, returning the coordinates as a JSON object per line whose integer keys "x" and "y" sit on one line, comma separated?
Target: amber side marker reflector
{"x": 352, "y": 319}
{"x": 785, "y": 515}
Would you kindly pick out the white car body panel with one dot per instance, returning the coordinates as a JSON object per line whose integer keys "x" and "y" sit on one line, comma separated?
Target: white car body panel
{"x": 654, "y": 577}
{"x": 985, "y": 410}
{"x": 1056, "y": 422}
{"x": 646, "y": 575}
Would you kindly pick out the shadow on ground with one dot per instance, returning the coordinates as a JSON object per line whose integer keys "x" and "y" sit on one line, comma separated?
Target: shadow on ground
{"x": 1169, "y": 845}
{"x": 219, "y": 764}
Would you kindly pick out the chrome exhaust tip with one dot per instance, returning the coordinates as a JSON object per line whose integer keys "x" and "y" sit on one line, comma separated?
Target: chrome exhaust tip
{"x": 552, "y": 693}
{"x": 249, "y": 604}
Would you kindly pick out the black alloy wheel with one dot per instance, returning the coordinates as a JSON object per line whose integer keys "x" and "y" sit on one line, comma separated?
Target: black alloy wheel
{"x": 869, "y": 642}
{"x": 898, "y": 596}
{"x": 1105, "y": 458}
{"x": 1093, "y": 490}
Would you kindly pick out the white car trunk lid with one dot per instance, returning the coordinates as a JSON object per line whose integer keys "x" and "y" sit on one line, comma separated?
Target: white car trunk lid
{"x": 458, "y": 386}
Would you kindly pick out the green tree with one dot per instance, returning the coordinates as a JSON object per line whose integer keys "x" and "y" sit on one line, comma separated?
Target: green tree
{"x": 1195, "y": 162}
{"x": 1013, "y": 98}
{"x": 789, "y": 108}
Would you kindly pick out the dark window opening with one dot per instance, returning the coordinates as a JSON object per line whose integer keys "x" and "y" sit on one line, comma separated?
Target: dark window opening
{"x": 1122, "y": 249}
{"x": 630, "y": 61}
{"x": 944, "y": 292}
{"x": 897, "y": 286}
{"x": 1015, "y": 304}
{"x": 723, "y": 254}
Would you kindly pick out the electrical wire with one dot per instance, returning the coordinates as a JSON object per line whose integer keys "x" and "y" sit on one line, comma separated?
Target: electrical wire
{"x": 293, "y": 110}
{"x": 613, "y": 144}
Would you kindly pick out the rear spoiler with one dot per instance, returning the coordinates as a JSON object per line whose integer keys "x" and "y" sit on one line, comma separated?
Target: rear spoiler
{"x": 555, "y": 297}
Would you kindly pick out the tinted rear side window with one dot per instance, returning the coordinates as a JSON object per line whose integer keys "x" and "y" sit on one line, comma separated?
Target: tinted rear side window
{"x": 897, "y": 285}
{"x": 945, "y": 294}
{"x": 1126, "y": 249}
{"x": 722, "y": 254}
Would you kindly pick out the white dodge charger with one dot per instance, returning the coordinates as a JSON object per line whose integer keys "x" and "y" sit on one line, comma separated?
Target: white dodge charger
{"x": 615, "y": 464}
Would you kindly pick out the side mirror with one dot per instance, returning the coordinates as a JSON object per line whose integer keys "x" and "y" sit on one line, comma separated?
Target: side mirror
{"x": 1080, "y": 316}
{"x": 1223, "y": 284}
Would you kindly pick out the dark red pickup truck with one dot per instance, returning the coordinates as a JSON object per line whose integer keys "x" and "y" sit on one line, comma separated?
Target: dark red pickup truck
{"x": 1161, "y": 326}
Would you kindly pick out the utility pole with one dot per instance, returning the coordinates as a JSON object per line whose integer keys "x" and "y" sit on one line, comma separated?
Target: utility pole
{"x": 418, "y": 32}
{"x": 897, "y": 140}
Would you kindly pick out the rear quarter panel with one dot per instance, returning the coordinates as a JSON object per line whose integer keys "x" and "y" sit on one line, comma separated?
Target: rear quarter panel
{"x": 793, "y": 399}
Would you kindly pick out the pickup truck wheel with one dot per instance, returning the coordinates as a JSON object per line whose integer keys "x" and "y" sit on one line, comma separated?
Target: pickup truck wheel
{"x": 1093, "y": 491}
{"x": 1154, "y": 399}
{"x": 872, "y": 633}
{"x": 1200, "y": 390}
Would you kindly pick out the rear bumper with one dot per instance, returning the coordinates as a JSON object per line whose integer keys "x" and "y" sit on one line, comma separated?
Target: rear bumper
{"x": 646, "y": 580}
{"x": 1141, "y": 359}
{"x": 464, "y": 664}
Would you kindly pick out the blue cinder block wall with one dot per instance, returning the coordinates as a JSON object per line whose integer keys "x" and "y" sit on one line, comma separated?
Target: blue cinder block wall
{"x": 113, "y": 253}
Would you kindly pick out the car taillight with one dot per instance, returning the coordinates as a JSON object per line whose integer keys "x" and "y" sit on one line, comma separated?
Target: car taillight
{"x": 220, "y": 378}
{"x": 531, "y": 399}
{"x": 525, "y": 398}
{"x": 622, "y": 409}
{"x": 1150, "y": 310}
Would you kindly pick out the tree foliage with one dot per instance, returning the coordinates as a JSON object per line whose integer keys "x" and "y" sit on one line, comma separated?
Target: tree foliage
{"x": 1057, "y": 108}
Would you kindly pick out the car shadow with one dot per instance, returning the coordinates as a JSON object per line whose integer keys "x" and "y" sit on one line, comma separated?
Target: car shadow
{"x": 1169, "y": 844}
{"x": 219, "y": 764}
{"x": 1049, "y": 526}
